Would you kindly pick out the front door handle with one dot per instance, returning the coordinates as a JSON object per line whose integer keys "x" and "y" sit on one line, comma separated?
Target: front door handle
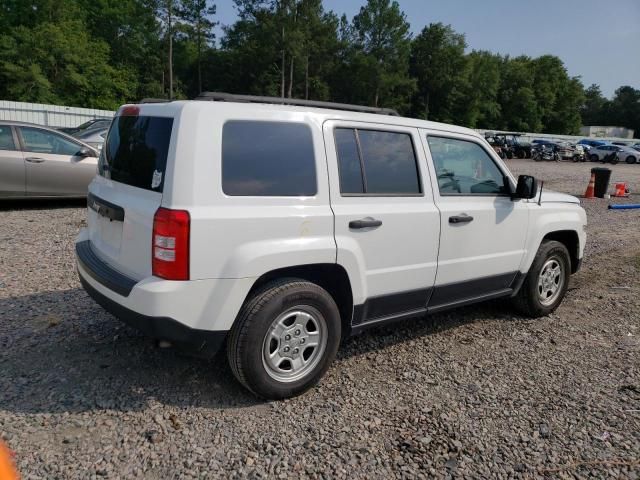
{"x": 365, "y": 223}
{"x": 461, "y": 219}
{"x": 34, "y": 159}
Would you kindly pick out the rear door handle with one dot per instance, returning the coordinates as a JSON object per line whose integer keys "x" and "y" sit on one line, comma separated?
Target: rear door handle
{"x": 365, "y": 223}
{"x": 34, "y": 159}
{"x": 461, "y": 219}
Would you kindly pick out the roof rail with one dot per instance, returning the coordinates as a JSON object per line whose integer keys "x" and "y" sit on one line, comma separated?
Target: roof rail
{"x": 155, "y": 100}
{"x": 230, "y": 97}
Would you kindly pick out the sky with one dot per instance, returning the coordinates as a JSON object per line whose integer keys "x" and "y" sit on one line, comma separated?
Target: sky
{"x": 598, "y": 40}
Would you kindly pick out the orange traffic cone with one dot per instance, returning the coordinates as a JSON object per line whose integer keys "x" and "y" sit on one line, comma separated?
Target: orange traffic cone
{"x": 7, "y": 468}
{"x": 621, "y": 190}
{"x": 590, "y": 192}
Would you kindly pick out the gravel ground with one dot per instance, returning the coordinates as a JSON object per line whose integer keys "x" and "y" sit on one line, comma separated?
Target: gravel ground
{"x": 474, "y": 393}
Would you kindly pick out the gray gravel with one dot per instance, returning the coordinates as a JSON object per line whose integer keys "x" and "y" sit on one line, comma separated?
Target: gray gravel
{"x": 474, "y": 393}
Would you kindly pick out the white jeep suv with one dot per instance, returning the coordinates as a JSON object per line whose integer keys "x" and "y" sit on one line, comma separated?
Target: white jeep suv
{"x": 277, "y": 227}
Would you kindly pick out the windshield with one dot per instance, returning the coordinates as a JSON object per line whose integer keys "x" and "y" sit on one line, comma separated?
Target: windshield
{"x": 86, "y": 124}
{"x": 135, "y": 151}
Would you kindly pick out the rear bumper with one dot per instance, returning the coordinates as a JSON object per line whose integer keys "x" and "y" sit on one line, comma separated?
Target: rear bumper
{"x": 195, "y": 315}
{"x": 204, "y": 343}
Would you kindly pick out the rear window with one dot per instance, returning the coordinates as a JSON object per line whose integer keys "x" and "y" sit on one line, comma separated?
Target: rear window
{"x": 267, "y": 159}
{"x": 135, "y": 152}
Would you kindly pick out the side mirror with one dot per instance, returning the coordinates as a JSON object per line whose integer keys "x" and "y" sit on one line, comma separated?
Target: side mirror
{"x": 85, "y": 152}
{"x": 527, "y": 187}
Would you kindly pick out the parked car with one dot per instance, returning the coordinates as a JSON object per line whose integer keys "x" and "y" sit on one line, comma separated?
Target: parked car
{"x": 636, "y": 146}
{"x": 37, "y": 161}
{"x": 511, "y": 143}
{"x": 279, "y": 227}
{"x": 93, "y": 137}
{"x": 95, "y": 123}
{"x": 564, "y": 150}
{"x": 605, "y": 153}
{"x": 593, "y": 143}
{"x": 629, "y": 154}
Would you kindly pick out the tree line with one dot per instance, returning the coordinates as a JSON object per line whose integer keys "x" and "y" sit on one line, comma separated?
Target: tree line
{"x": 103, "y": 53}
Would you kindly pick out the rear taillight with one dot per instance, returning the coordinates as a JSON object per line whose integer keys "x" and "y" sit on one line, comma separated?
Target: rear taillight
{"x": 170, "y": 247}
{"x": 129, "y": 111}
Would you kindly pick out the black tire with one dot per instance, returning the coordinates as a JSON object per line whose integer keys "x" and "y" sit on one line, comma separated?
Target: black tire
{"x": 594, "y": 158}
{"x": 630, "y": 159}
{"x": 521, "y": 154}
{"x": 246, "y": 340}
{"x": 509, "y": 154}
{"x": 527, "y": 301}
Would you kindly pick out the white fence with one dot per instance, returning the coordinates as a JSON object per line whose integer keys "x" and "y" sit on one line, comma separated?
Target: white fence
{"x": 49, "y": 115}
{"x": 527, "y": 136}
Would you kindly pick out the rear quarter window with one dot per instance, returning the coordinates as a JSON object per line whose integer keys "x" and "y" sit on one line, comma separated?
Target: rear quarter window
{"x": 267, "y": 159}
{"x": 135, "y": 151}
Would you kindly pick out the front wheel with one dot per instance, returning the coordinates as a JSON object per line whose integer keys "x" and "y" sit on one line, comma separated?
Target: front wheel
{"x": 546, "y": 282}
{"x": 284, "y": 339}
{"x": 594, "y": 158}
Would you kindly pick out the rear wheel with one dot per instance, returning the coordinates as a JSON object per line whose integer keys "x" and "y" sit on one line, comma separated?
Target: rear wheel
{"x": 547, "y": 280}
{"x": 594, "y": 158}
{"x": 285, "y": 338}
{"x": 630, "y": 159}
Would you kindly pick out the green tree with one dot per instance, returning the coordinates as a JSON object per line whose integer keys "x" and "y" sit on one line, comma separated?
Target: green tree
{"x": 319, "y": 47}
{"x": 517, "y": 96}
{"x": 132, "y": 31}
{"x": 199, "y": 26}
{"x": 624, "y": 109}
{"x": 439, "y": 64}
{"x": 253, "y": 53}
{"x": 60, "y": 63}
{"x": 565, "y": 117}
{"x": 594, "y": 108}
{"x": 383, "y": 43}
{"x": 483, "y": 83}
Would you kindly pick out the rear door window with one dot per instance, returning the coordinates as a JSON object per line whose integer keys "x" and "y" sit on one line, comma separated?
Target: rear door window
{"x": 262, "y": 158}
{"x": 42, "y": 141}
{"x": 6, "y": 138}
{"x": 135, "y": 151}
{"x": 375, "y": 162}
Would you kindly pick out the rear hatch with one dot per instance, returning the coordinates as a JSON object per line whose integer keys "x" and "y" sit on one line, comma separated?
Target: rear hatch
{"x": 127, "y": 191}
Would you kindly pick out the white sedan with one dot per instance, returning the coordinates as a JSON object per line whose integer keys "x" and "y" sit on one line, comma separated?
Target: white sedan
{"x": 628, "y": 154}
